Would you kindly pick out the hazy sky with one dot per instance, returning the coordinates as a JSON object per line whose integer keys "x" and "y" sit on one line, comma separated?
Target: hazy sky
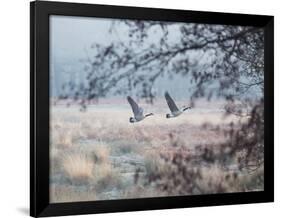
{"x": 71, "y": 39}
{"x": 70, "y": 36}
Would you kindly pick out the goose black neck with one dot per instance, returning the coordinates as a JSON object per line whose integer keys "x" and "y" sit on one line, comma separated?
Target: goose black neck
{"x": 186, "y": 108}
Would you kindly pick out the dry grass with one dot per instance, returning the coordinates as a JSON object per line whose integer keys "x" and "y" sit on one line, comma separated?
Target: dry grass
{"x": 65, "y": 139}
{"x": 214, "y": 178}
{"x": 78, "y": 167}
{"x": 100, "y": 153}
{"x": 95, "y": 154}
{"x": 153, "y": 162}
{"x": 63, "y": 193}
{"x": 143, "y": 192}
{"x": 106, "y": 177}
{"x": 253, "y": 179}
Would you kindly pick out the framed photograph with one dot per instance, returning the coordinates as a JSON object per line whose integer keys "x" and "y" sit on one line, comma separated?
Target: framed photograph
{"x": 142, "y": 109}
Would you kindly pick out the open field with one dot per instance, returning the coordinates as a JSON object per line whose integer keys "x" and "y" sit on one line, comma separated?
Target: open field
{"x": 95, "y": 154}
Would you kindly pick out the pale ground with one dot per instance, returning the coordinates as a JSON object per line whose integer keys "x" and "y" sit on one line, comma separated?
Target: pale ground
{"x": 94, "y": 154}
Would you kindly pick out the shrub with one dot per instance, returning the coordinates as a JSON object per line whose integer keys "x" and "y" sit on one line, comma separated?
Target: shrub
{"x": 78, "y": 167}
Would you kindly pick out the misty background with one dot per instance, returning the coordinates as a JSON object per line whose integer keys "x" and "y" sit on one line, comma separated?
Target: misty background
{"x": 72, "y": 50}
{"x": 71, "y": 40}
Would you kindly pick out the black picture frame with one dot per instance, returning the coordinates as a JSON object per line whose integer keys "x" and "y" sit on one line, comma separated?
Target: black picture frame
{"x": 39, "y": 108}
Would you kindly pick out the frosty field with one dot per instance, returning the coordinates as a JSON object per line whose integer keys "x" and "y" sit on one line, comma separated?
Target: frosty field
{"x": 95, "y": 154}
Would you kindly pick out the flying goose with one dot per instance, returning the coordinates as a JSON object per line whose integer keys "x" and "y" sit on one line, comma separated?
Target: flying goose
{"x": 173, "y": 107}
{"x": 138, "y": 111}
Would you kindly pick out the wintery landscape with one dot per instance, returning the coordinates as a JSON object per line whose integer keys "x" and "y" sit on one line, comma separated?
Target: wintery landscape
{"x": 149, "y": 109}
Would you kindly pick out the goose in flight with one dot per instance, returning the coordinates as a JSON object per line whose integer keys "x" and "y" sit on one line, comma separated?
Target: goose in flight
{"x": 173, "y": 107}
{"x": 138, "y": 111}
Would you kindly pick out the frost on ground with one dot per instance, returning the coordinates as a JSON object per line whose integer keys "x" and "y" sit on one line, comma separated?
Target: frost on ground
{"x": 99, "y": 155}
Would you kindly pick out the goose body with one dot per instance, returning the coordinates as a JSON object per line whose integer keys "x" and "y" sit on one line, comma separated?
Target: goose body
{"x": 137, "y": 111}
{"x": 175, "y": 111}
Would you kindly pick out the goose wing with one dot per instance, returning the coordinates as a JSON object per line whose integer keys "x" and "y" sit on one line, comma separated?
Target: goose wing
{"x": 136, "y": 109}
{"x": 173, "y": 107}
